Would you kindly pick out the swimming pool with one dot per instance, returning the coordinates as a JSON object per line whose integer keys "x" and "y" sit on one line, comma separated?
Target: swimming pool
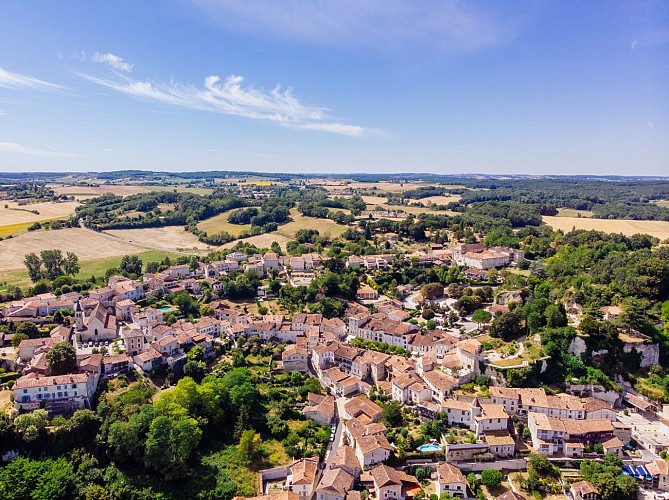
{"x": 165, "y": 309}
{"x": 427, "y": 448}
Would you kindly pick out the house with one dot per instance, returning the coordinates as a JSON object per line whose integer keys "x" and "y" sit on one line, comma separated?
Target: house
{"x": 58, "y": 394}
{"x": 391, "y": 484}
{"x": 302, "y": 477}
{"x": 450, "y": 480}
{"x": 28, "y": 347}
{"x": 583, "y": 490}
{"x": 134, "y": 340}
{"x": 613, "y": 445}
{"x": 552, "y": 436}
{"x": 365, "y": 292}
{"x": 344, "y": 458}
{"x": 371, "y": 450}
{"x": 294, "y": 359}
{"x": 334, "y": 485}
{"x": 320, "y": 409}
{"x": 410, "y": 388}
{"x": 659, "y": 469}
{"x": 364, "y": 408}
{"x": 148, "y": 360}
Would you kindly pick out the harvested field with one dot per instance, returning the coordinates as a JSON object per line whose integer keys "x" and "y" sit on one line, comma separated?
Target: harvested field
{"x": 662, "y": 203}
{"x": 15, "y": 219}
{"x": 375, "y": 200}
{"x": 168, "y": 239}
{"x": 92, "y": 191}
{"x": 409, "y": 210}
{"x": 88, "y": 245}
{"x": 220, "y": 223}
{"x": 261, "y": 241}
{"x": 179, "y": 189}
{"x": 659, "y": 229}
{"x": 440, "y": 200}
{"x": 570, "y": 212}
{"x": 323, "y": 226}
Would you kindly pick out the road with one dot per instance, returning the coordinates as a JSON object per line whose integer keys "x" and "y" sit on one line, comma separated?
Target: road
{"x": 332, "y": 448}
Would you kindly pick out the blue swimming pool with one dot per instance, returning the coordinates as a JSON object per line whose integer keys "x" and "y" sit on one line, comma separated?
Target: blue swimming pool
{"x": 165, "y": 309}
{"x": 427, "y": 448}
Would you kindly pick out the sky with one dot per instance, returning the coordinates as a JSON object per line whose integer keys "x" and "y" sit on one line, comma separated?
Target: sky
{"x": 347, "y": 86}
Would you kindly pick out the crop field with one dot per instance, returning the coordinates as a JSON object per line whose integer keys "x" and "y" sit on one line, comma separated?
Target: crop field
{"x": 84, "y": 192}
{"x": 261, "y": 241}
{"x": 659, "y": 229}
{"x": 167, "y": 239}
{"x": 220, "y": 223}
{"x": 662, "y": 203}
{"x": 15, "y": 219}
{"x": 178, "y": 189}
{"x": 440, "y": 200}
{"x": 323, "y": 226}
{"x": 570, "y": 212}
{"x": 374, "y": 200}
{"x": 409, "y": 209}
{"x": 94, "y": 267}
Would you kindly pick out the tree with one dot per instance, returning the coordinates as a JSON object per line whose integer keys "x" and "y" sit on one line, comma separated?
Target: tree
{"x": 187, "y": 305}
{"x": 169, "y": 444}
{"x": 131, "y": 264}
{"x": 31, "y": 424}
{"x": 555, "y": 316}
{"x": 62, "y": 359}
{"x": 249, "y": 445}
{"x": 392, "y": 414}
{"x": 481, "y": 316}
{"x": 71, "y": 264}
{"x": 53, "y": 263}
{"x": 17, "y": 338}
{"x": 491, "y": 478}
{"x": 195, "y": 370}
{"x": 432, "y": 291}
{"x": 196, "y": 353}
{"x": 507, "y": 326}
{"x": 34, "y": 265}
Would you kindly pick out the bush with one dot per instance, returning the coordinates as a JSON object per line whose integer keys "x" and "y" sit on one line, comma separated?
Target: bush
{"x": 491, "y": 478}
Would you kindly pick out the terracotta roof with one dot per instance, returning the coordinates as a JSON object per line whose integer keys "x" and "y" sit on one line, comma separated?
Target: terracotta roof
{"x": 448, "y": 474}
{"x": 335, "y": 482}
{"x": 345, "y": 455}
{"x": 34, "y": 380}
{"x": 304, "y": 471}
{"x": 371, "y": 443}
{"x": 363, "y": 405}
{"x": 584, "y": 488}
{"x": 385, "y": 476}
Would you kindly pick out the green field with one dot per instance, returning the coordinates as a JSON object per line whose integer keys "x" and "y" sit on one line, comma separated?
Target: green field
{"x": 96, "y": 267}
{"x": 570, "y": 212}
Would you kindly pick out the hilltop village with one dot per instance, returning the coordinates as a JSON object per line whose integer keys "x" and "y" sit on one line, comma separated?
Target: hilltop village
{"x": 470, "y": 351}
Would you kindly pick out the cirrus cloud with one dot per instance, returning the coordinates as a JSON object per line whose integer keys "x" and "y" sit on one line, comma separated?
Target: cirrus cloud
{"x": 12, "y": 80}
{"x": 231, "y": 97}
{"x": 113, "y": 61}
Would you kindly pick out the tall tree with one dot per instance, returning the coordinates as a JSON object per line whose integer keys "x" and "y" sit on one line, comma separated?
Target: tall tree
{"x": 71, "y": 263}
{"x": 53, "y": 263}
{"x": 62, "y": 359}
{"x": 34, "y": 265}
{"x": 131, "y": 264}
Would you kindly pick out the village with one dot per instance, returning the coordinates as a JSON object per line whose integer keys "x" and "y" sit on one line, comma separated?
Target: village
{"x": 447, "y": 372}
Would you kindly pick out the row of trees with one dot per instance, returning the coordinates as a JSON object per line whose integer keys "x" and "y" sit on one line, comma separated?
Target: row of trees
{"x": 51, "y": 264}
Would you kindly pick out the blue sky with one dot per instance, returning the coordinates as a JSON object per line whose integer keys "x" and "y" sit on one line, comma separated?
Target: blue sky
{"x": 566, "y": 87}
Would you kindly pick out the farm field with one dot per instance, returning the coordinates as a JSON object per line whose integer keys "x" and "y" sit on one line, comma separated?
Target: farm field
{"x": 440, "y": 200}
{"x": 84, "y": 192}
{"x": 179, "y": 189}
{"x": 261, "y": 241}
{"x": 374, "y": 200}
{"x": 409, "y": 210}
{"x": 88, "y": 245}
{"x": 659, "y": 229}
{"x": 570, "y": 212}
{"x": 662, "y": 203}
{"x": 95, "y": 267}
{"x": 168, "y": 239}
{"x": 16, "y": 218}
{"x": 324, "y": 226}
{"x": 220, "y": 223}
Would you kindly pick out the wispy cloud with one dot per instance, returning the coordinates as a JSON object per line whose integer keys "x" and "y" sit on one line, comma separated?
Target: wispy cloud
{"x": 113, "y": 61}
{"x": 447, "y": 25}
{"x": 13, "y": 147}
{"x": 12, "y": 80}
{"x": 232, "y": 97}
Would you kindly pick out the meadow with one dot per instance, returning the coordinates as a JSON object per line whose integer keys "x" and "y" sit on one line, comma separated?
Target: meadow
{"x": 15, "y": 219}
{"x": 168, "y": 239}
{"x": 659, "y": 229}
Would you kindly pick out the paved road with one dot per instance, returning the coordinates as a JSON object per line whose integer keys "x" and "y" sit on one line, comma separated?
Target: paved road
{"x": 340, "y": 402}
